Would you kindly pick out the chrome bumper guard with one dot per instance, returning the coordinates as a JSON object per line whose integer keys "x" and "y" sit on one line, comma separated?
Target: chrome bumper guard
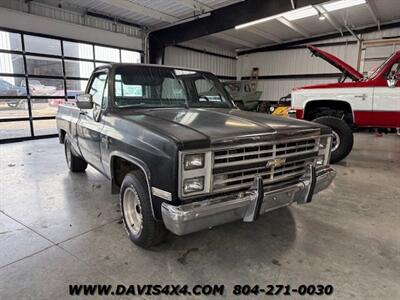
{"x": 247, "y": 205}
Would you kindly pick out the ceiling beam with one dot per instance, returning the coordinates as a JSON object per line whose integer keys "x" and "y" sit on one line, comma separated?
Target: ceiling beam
{"x": 294, "y": 27}
{"x": 320, "y": 38}
{"x": 373, "y": 12}
{"x": 352, "y": 33}
{"x": 234, "y": 40}
{"x": 263, "y": 34}
{"x": 222, "y": 19}
{"x": 330, "y": 18}
{"x": 142, "y": 10}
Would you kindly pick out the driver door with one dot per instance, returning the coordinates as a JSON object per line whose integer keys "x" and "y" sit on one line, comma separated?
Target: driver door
{"x": 90, "y": 123}
{"x": 386, "y": 106}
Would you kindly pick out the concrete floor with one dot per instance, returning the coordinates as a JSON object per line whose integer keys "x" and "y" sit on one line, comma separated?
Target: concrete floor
{"x": 58, "y": 228}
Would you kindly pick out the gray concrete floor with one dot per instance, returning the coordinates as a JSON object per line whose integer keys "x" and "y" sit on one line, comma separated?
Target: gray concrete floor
{"x": 58, "y": 228}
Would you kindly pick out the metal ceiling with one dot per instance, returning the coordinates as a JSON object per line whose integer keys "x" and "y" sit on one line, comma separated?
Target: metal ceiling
{"x": 148, "y": 13}
{"x": 155, "y": 14}
{"x": 353, "y": 17}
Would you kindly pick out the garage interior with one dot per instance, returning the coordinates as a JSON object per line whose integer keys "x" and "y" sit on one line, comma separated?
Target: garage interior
{"x": 59, "y": 228}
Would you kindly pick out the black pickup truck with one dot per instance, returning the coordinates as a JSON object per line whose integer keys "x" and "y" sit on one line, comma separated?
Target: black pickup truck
{"x": 182, "y": 156}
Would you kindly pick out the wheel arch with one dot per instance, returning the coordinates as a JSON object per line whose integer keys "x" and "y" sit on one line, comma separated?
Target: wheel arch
{"x": 327, "y": 102}
{"x": 130, "y": 163}
{"x": 61, "y": 136}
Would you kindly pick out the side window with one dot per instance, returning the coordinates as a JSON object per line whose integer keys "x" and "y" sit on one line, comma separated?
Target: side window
{"x": 98, "y": 89}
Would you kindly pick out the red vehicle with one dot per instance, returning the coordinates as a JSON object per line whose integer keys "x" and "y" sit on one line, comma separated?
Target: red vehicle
{"x": 61, "y": 100}
{"x": 372, "y": 101}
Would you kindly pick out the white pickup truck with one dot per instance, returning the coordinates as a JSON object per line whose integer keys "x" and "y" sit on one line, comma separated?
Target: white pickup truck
{"x": 372, "y": 101}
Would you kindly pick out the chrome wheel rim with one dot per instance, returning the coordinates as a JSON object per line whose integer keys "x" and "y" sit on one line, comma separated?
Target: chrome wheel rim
{"x": 335, "y": 141}
{"x": 132, "y": 211}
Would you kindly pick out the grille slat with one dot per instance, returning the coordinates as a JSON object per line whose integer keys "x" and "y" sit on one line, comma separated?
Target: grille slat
{"x": 251, "y": 160}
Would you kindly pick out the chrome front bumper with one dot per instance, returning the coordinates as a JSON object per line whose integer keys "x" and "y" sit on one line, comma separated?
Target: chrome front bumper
{"x": 247, "y": 205}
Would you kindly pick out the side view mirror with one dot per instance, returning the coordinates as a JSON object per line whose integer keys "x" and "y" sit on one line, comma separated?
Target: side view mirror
{"x": 392, "y": 79}
{"x": 392, "y": 82}
{"x": 84, "y": 101}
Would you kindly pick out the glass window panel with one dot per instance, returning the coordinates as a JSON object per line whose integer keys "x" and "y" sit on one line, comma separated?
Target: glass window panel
{"x": 46, "y": 107}
{"x": 82, "y": 69}
{"x": 13, "y": 108}
{"x": 46, "y": 87}
{"x": 130, "y": 56}
{"x": 11, "y": 63}
{"x": 42, "y": 45}
{"x": 44, "y": 66}
{"x": 106, "y": 53}
{"x": 76, "y": 86}
{"x": 12, "y": 86}
{"x": 78, "y": 50}
{"x": 44, "y": 127}
{"x": 9, "y": 130}
{"x": 10, "y": 41}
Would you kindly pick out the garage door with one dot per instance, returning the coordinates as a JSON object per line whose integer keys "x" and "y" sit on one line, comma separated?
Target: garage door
{"x": 38, "y": 73}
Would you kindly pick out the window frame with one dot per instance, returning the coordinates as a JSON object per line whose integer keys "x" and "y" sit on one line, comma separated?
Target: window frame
{"x": 105, "y": 88}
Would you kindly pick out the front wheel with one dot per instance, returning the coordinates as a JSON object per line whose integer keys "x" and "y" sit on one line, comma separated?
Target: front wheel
{"x": 137, "y": 213}
{"x": 342, "y": 142}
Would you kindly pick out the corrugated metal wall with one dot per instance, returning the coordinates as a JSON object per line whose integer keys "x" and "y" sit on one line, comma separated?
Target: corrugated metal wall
{"x": 220, "y": 66}
{"x": 293, "y": 62}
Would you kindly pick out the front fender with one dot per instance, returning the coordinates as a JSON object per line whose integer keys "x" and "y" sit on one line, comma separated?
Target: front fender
{"x": 137, "y": 162}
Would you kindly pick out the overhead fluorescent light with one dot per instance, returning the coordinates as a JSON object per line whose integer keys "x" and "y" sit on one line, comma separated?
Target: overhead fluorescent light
{"x": 301, "y": 13}
{"x": 295, "y": 14}
{"x": 256, "y": 22}
{"x": 341, "y": 4}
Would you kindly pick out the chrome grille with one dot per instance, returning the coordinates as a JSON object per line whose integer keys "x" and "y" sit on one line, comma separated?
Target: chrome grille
{"x": 235, "y": 168}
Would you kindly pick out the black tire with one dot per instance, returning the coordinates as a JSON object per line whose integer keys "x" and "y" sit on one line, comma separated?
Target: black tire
{"x": 343, "y": 132}
{"x": 148, "y": 232}
{"x": 74, "y": 162}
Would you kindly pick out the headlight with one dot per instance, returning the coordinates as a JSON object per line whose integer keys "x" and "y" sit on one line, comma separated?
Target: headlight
{"x": 192, "y": 185}
{"x": 193, "y": 161}
{"x": 195, "y": 173}
{"x": 324, "y": 152}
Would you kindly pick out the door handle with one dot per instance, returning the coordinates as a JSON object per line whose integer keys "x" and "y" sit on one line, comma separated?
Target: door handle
{"x": 82, "y": 112}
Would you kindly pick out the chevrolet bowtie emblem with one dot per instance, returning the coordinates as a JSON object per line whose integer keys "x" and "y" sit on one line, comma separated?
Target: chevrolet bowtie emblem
{"x": 276, "y": 163}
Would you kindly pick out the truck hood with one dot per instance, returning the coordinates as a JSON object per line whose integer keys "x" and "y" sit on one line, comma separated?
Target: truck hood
{"x": 197, "y": 127}
{"x": 337, "y": 63}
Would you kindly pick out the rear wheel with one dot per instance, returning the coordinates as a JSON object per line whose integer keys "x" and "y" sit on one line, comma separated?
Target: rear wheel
{"x": 342, "y": 142}
{"x": 137, "y": 213}
{"x": 74, "y": 162}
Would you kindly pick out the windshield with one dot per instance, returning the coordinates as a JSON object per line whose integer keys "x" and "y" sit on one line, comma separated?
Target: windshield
{"x": 374, "y": 73}
{"x": 137, "y": 86}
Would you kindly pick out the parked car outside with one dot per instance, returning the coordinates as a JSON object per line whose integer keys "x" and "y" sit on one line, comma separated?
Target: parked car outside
{"x": 36, "y": 88}
{"x": 59, "y": 101}
{"x": 8, "y": 89}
